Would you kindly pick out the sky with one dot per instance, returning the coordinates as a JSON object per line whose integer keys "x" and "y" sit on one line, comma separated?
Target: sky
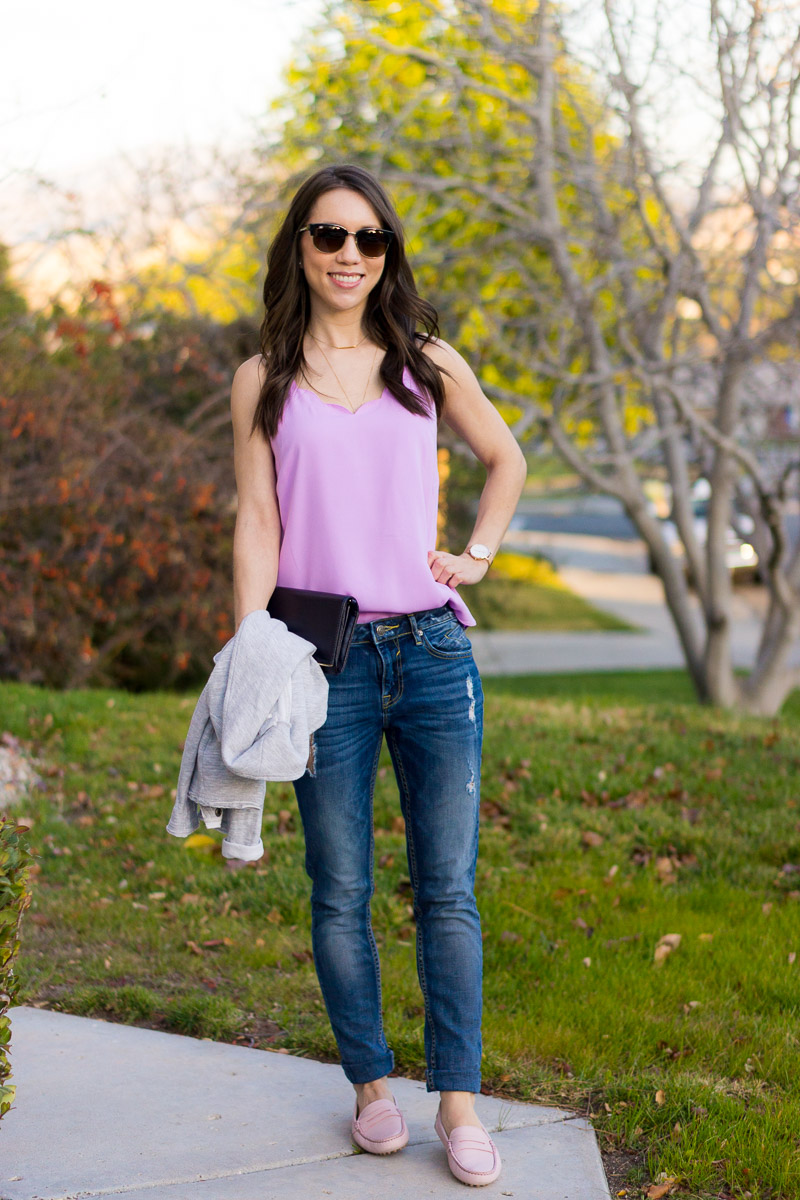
{"x": 87, "y": 89}
{"x": 84, "y": 81}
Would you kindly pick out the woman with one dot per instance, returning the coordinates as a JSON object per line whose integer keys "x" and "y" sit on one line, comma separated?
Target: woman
{"x": 336, "y": 467}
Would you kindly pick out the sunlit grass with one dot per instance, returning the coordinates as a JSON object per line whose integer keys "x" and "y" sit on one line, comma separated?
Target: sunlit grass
{"x": 523, "y": 592}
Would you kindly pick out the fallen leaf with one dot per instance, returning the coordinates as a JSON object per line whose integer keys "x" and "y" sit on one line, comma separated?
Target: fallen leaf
{"x": 661, "y": 1097}
{"x": 668, "y": 943}
{"x": 590, "y": 838}
{"x": 199, "y": 841}
{"x": 657, "y": 1191}
{"x": 665, "y": 869}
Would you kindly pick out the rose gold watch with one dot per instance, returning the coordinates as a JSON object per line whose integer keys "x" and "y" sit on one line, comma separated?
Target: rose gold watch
{"x": 480, "y": 553}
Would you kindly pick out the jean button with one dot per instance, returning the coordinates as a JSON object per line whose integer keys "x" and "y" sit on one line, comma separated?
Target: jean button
{"x": 380, "y": 629}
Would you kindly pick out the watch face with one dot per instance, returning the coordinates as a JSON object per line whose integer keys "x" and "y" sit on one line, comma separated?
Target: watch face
{"x": 478, "y": 550}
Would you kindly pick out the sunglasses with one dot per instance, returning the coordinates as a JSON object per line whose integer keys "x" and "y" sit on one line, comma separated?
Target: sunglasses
{"x": 372, "y": 243}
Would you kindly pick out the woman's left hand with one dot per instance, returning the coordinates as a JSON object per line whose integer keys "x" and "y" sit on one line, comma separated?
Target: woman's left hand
{"x": 454, "y": 569}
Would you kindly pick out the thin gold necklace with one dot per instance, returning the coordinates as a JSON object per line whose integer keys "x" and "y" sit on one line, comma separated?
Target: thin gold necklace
{"x": 338, "y": 380}
{"x": 331, "y": 346}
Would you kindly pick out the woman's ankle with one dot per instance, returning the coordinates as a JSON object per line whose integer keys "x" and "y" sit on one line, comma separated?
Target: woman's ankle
{"x": 457, "y": 1108}
{"x": 376, "y": 1089}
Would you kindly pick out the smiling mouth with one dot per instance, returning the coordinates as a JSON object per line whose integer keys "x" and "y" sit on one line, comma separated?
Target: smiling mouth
{"x": 344, "y": 277}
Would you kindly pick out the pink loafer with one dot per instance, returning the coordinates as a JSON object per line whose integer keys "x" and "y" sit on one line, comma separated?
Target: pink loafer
{"x": 379, "y": 1128}
{"x": 472, "y": 1156}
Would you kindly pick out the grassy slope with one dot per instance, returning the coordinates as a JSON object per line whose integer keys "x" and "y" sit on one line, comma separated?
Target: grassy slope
{"x": 525, "y": 593}
{"x": 693, "y": 828}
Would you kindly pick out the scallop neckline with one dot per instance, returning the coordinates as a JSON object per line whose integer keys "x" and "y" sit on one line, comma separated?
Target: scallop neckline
{"x": 335, "y": 404}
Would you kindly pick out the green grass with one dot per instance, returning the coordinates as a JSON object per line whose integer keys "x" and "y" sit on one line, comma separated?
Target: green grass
{"x": 522, "y": 592}
{"x": 615, "y": 811}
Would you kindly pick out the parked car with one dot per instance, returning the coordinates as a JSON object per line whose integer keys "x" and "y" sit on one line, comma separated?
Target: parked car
{"x": 740, "y": 555}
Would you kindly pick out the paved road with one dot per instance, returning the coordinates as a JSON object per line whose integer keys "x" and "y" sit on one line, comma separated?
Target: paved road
{"x": 596, "y": 516}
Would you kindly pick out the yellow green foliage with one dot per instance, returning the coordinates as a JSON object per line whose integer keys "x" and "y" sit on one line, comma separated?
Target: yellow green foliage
{"x": 419, "y": 94}
{"x": 214, "y": 279}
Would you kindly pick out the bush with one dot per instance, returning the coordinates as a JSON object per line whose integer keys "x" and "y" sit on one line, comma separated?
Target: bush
{"x": 15, "y": 864}
{"x": 117, "y": 499}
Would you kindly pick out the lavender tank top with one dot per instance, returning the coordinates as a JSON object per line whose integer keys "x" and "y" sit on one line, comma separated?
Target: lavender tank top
{"x": 359, "y": 495}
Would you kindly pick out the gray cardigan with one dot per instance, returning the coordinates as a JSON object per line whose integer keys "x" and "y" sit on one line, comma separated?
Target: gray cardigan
{"x": 254, "y": 721}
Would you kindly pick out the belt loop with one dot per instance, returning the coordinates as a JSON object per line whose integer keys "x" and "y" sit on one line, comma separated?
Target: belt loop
{"x": 412, "y": 620}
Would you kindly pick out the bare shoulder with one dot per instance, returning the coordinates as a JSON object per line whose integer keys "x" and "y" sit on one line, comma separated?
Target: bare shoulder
{"x": 461, "y": 385}
{"x": 467, "y": 410}
{"x": 252, "y": 450}
{"x": 444, "y": 355}
{"x": 250, "y": 374}
{"x": 248, "y": 380}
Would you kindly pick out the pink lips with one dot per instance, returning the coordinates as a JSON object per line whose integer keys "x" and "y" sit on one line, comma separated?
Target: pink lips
{"x": 347, "y": 284}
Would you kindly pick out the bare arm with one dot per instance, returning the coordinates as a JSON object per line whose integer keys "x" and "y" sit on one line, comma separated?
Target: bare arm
{"x": 475, "y": 419}
{"x": 257, "y": 536}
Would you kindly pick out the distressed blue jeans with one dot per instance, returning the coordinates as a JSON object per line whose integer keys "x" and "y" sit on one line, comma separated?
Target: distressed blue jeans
{"x": 414, "y": 679}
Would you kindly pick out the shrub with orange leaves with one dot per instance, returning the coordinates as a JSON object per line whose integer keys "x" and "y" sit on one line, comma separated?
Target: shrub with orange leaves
{"x": 116, "y": 498}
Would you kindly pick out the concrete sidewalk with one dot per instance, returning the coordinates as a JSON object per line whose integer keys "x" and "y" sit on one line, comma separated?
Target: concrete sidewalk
{"x": 105, "y": 1109}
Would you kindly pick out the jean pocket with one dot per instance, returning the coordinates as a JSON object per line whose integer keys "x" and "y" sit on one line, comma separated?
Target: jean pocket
{"x": 447, "y": 640}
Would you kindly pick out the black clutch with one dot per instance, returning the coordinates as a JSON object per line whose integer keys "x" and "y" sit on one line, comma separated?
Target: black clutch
{"x": 323, "y": 618}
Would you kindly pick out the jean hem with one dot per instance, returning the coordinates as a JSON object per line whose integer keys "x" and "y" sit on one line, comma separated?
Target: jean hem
{"x": 365, "y": 1072}
{"x": 444, "y": 1081}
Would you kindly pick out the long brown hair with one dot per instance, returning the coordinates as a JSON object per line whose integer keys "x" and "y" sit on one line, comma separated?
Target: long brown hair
{"x": 392, "y": 318}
